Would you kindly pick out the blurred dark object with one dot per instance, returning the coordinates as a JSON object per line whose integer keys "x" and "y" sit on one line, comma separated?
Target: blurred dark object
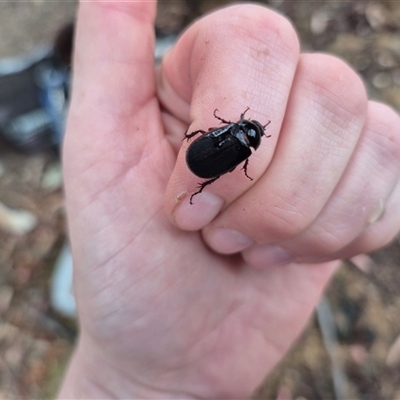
{"x": 63, "y": 45}
{"x": 34, "y": 93}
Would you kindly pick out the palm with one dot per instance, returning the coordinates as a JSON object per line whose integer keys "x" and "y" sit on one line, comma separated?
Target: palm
{"x": 139, "y": 276}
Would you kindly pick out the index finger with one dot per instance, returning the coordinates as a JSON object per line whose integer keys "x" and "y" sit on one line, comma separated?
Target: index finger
{"x": 239, "y": 57}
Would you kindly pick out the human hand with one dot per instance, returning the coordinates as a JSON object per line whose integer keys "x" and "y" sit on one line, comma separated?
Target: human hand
{"x": 176, "y": 311}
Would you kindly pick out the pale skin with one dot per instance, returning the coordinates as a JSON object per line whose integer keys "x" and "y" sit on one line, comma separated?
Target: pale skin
{"x": 202, "y": 301}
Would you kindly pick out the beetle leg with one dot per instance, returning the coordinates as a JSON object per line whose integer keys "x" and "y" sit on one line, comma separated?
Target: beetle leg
{"x": 221, "y": 119}
{"x": 190, "y": 135}
{"x": 246, "y": 163}
{"x": 201, "y": 186}
{"x": 264, "y": 126}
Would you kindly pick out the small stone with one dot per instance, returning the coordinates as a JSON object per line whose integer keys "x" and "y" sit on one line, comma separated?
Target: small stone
{"x": 382, "y": 80}
{"x": 386, "y": 59}
{"x": 319, "y": 21}
{"x": 52, "y": 178}
{"x": 377, "y": 16}
{"x": 17, "y": 222}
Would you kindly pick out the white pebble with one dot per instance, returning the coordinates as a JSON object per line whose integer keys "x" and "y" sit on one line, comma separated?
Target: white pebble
{"x": 17, "y": 222}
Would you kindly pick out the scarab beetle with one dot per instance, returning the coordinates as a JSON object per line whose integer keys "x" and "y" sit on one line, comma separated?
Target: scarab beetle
{"x": 221, "y": 150}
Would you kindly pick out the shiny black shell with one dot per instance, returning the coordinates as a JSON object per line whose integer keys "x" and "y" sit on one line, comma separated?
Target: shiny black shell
{"x": 221, "y": 150}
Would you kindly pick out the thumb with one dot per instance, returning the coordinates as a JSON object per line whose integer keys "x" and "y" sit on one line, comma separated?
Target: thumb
{"x": 113, "y": 78}
{"x": 113, "y": 75}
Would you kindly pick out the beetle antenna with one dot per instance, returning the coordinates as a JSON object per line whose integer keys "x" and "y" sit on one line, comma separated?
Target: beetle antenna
{"x": 245, "y": 111}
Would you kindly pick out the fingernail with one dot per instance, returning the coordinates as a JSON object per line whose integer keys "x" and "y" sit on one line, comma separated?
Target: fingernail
{"x": 266, "y": 256}
{"x": 227, "y": 241}
{"x": 192, "y": 217}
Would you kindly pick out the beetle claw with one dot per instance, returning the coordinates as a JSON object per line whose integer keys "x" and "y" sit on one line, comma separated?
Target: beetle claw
{"x": 201, "y": 186}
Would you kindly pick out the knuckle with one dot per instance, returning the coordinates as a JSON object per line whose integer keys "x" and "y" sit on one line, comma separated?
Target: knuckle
{"x": 263, "y": 27}
{"x": 336, "y": 84}
{"x": 285, "y": 222}
{"x": 325, "y": 242}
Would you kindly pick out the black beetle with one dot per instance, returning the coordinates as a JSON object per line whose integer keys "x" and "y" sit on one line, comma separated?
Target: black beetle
{"x": 221, "y": 150}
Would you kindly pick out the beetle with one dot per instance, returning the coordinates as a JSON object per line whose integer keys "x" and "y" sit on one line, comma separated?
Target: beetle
{"x": 220, "y": 150}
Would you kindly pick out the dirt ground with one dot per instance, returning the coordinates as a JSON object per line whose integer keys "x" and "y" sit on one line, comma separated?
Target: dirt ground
{"x": 351, "y": 348}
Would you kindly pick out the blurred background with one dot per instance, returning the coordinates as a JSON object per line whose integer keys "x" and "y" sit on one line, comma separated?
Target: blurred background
{"x": 351, "y": 348}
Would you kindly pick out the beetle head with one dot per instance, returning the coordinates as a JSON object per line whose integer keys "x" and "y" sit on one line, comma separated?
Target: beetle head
{"x": 254, "y": 132}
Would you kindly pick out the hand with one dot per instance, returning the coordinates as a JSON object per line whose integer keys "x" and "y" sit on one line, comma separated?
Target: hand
{"x": 202, "y": 300}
